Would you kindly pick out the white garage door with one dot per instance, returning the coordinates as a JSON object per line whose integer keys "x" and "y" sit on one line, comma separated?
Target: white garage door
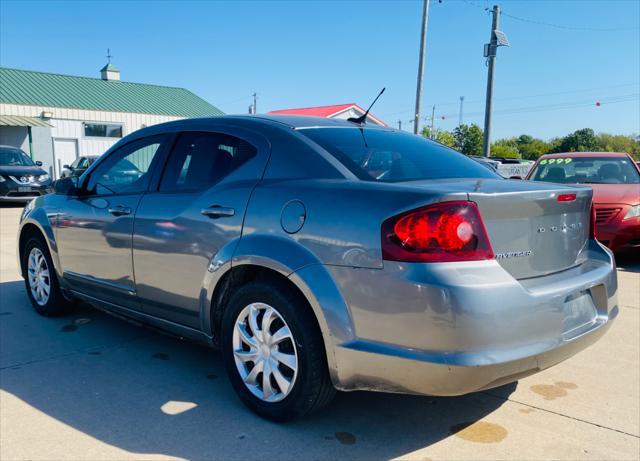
{"x": 65, "y": 151}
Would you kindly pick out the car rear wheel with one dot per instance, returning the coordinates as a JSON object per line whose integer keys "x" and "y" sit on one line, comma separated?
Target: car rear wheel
{"x": 274, "y": 353}
{"x": 41, "y": 282}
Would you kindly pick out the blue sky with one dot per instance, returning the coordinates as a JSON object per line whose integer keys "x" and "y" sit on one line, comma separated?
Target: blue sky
{"x": 298, "y": 54}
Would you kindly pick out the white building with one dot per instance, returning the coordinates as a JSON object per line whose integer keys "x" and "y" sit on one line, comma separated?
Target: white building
{"x": 56, "y": 118}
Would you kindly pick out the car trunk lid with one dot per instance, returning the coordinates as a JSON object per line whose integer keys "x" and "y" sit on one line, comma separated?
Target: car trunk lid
{"x": 535, "y": 231}
{"x": 531, "y": 232}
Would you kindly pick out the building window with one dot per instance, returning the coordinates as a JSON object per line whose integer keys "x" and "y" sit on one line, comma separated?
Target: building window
{"x": 102, "y": 130}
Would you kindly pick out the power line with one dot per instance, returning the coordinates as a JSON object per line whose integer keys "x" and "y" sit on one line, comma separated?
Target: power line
{"x": 559, "y": 106}
{"x": 556, "y": 26}
{"x": 549, "y": 107}
{"x": 561, "y": 26}
{"x": 538, "y": 95}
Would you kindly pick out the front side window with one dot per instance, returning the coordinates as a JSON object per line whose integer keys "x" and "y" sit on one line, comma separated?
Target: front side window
{"x": 199, "y": 160}
{"x": 392, "y": 156}
{"x": 102, "y": 130}
{"x": 10, "y": 156}
{"x": 127, "y": 170}
{"x": 586, "y": 170}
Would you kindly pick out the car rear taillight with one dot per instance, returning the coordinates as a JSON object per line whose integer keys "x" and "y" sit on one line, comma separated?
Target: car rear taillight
{"x": 447, "y": 231}
{"x": 592, "y": 223}
{"x": 566, "y": 197}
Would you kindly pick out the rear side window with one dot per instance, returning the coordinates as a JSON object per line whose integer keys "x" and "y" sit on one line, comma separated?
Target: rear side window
{"x": 200, "y": 160}
{"x": 391, "y": 156}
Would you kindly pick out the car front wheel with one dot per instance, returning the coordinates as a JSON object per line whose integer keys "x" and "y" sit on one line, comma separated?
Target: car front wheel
{"x": 40, "y": 279}
{"x": 274, "y": 353}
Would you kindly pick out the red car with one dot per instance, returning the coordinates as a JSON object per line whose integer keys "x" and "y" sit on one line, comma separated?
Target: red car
{"x": 615, "y": 180}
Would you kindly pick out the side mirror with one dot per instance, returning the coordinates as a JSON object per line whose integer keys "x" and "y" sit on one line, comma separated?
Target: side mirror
{"x": 66, "y": 167}
{"x": 516, "y": 177}
{"x": 66, "y": 186}
{"x": 38, "y": 163}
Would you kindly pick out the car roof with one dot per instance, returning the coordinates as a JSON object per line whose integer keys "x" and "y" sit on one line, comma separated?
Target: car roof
{"x": 292, "y": 121}
{"x": 585, "y": 154}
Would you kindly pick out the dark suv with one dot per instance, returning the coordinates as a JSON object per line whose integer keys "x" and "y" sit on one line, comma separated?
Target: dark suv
{"x": 21, "y": 179}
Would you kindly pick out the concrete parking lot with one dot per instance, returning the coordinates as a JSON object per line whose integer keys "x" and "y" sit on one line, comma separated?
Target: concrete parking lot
{"x": 89, "y": 386}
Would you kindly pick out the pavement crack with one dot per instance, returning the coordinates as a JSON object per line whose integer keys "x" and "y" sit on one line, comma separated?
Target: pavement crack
{"x": 560, "y": 414}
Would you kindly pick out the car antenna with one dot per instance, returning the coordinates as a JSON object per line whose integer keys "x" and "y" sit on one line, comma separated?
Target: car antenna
{"x": 363, "y": 118}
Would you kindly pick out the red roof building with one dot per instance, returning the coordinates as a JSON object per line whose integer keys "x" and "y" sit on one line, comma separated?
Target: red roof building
{"x": 342, "y": 111}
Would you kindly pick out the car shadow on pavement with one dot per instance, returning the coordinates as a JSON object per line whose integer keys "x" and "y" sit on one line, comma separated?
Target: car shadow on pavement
{"x": 148, "y": 393}
{"x": 628, "y": 263}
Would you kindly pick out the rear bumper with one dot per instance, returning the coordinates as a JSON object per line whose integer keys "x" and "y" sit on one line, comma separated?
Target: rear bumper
{"x": 451, "y": 329}
{"x": 620, "y": 235}
{"x": 414, "y": 373}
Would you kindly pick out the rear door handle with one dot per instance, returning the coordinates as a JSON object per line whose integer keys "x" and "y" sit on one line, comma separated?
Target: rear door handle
{"x": 218, "y": 212}
{"x": 120, "y": 210}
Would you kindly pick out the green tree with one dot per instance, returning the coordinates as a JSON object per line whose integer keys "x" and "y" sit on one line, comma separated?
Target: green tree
{"x": 507, "y": 148}
{"x": 619, "y": 143}
{"x": 583, "y": 140}
{"x": 442, "y": 136}
{"x": 468, "y": 139}
{"x": 531, "y": 148}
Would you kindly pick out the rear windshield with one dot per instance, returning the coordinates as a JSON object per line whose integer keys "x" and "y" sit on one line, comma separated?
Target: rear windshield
{"x": 10, "y": 156}
{"x": 586, "y": 170}
{"x": 391, "y": 156}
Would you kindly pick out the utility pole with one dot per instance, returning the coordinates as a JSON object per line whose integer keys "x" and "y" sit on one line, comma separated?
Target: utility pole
{"x": 423, "y": 39}
{"x": 461, "y": 104}
{"x": 255, "y": 98}
{"x": 433, "y": 119}
{"x": 497, "y": 39}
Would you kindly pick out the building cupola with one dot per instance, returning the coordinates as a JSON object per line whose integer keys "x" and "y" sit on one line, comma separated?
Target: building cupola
{"x": 109, "y": 72}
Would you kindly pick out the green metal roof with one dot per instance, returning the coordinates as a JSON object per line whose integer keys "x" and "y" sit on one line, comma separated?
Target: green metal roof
{"x": 57, "y": 90}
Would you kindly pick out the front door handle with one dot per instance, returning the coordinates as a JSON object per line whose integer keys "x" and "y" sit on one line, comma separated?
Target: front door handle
{"x": 218, "y": 212}
{"x": 120, "y": 210}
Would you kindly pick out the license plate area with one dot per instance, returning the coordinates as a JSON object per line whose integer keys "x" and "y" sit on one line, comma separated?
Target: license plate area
{"x": 24, "y": 189}
{"x": 579, "y": 313}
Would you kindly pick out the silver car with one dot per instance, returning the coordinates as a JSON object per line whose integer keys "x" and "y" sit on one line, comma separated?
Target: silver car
{"x": 322, "y": 254}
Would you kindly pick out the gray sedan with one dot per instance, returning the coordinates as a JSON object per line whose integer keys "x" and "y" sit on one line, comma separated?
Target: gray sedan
{"x": 322, "y": 254}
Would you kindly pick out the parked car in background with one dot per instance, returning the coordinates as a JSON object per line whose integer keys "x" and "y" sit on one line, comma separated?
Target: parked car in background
{"x": 21, "y": 179}
{"x": 512, "y": 167}
{"x": 79, "y": 166}
{"x": 615, "y": 180}
{"x": 321, "y": 253}
{"x": 489, "y": 163}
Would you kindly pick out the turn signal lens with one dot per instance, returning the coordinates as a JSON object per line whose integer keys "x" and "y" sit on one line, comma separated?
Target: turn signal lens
{"x": 447, "y": 231}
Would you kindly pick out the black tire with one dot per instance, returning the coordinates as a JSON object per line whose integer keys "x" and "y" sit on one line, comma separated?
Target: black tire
{"x": 56, "y": 303}
{"x": 312, "y": 388}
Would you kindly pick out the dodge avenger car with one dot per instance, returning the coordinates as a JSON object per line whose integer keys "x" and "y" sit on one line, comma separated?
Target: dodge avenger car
{"x": 321, "y": 254}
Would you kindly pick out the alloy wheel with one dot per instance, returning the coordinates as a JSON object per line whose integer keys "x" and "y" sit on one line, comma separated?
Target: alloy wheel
{"x": 38, "y": 275}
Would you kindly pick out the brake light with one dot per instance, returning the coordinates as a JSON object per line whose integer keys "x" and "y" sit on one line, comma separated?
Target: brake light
{"x": 447, "y": 231}
{"x": 566, "y": 197}
{"x": 592, "y": 223}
